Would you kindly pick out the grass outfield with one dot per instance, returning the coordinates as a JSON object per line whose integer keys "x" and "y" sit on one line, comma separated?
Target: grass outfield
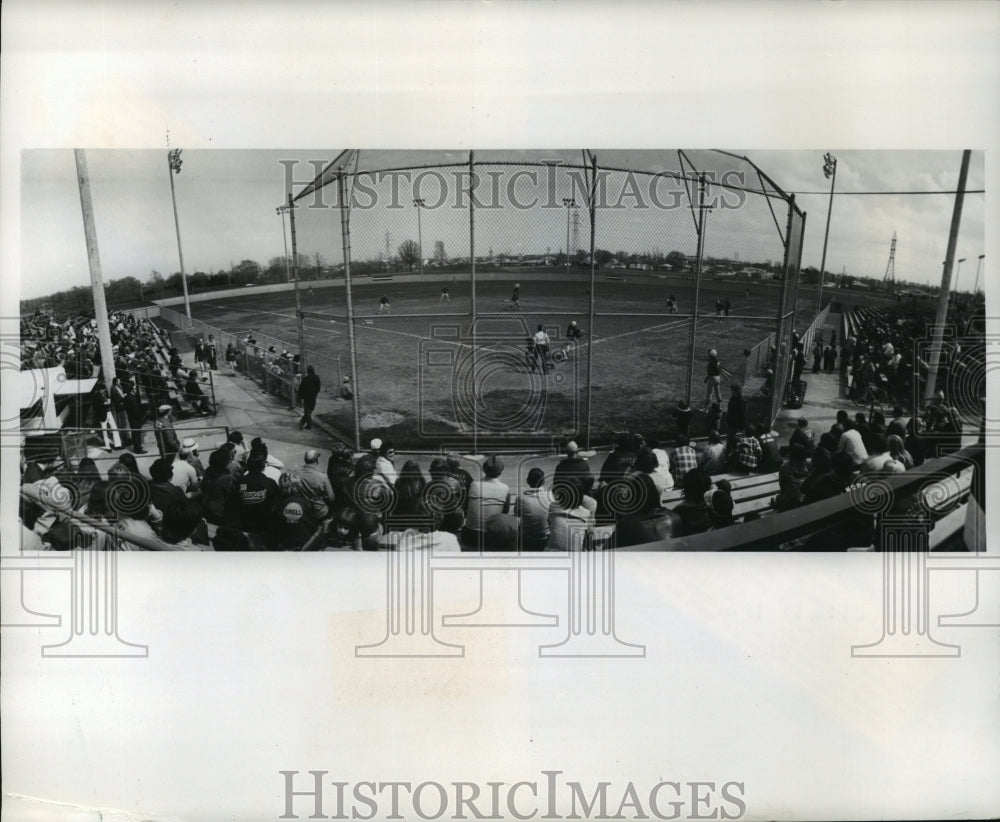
{"x": 415, "y": 365}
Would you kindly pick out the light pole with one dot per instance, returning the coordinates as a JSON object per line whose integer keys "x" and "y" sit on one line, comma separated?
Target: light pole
{"x": 284, "y": 236}
{"x": 958, "y": 270}
{"x": 979, "y": 265}
{"x": 174, "y": 167}
{"x": 569, "y": 202}
{"x": 830, "y": 172}
{"x": 419, "y": 203}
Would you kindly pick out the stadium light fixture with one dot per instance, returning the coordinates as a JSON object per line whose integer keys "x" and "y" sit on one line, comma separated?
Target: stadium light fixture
{"x": 420, "y": 203}
{"x": 958, "y": 270}
{"x": 830, "y": 172}
{"x": 174, "y": 167}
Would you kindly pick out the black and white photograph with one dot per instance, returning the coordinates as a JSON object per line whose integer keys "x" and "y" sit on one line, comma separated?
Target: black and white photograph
{"x": 565, "y": 466}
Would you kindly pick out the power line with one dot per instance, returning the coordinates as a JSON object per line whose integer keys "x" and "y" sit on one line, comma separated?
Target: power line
{"x": 857, "y": 193}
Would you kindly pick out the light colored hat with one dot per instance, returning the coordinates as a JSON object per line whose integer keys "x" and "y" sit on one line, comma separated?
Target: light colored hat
{"x": 190, "y": 443}
{"x": 164, "y": 408}
{"x": 376, "y": 444}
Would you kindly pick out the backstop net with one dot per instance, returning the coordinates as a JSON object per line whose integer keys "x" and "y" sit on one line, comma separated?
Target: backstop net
{"x": 473, "y": 300}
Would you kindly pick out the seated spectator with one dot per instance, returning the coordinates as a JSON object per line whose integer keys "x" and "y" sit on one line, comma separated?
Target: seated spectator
{"x": 770, "y": 453}
{"x": 501, "y": 533}
{"x": 682, "y": 457}
{"x": 257, "y": 495}
{"x": 850, "y": 443}
{"x": 897, "y": 425}
{"x": 748, "y": 453}
{"x": 128, "y": 505}
{"x": 648, "y": 464}
{"x": 290, "y": 529}
{"x": 576, "y": 467}
{"x": 272, "y": 465}
{"x": 692, "y": 509}
{"x": 183, "y": 527}
{"x": 194, "y": 395}
{"x": 720, "y": 509}
{"x": 662, "y": 462}
{"x": 166, "y": 436}
{"x": 219, "y": 496}
{"x": 162, "y": 490}
{"x": 368, "y": 491}
{"x": 231, "y": 539}
{"x": 621, "y": 460}
{"x": 487, "y": 497}
{"x": 835, "y": 481}
{"x": 914, "y": 440}
{"x": 316, "y": 487}
{"x": 878, "y": 456}
{"x": 445, "y": 496}
{"x": 570, "y": 522}
{"x": 349, "y": 530}
{"x": 898, "y": 452}
{"x": 804, "y": 435}
{"x": 86, "y": 477}
{"x": 384, "y": 461}
{"x": 408, "y": 511}
{"x": 459, "y": 473}
{"x": 191, "y": 445}
{"x": 791, "y": 476}
{"x": 340, "y": 468}
{"x": 184, "y": 475}
{"x": 647, "y": 520}
{"x": 712, "y": 455}
{"x": 430, "y": 538}
{"x": 532, "y": 508}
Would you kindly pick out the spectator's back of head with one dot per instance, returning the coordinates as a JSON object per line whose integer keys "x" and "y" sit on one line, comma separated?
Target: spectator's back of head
{"x": 536, "y": 478}
{"x": 681, "y": 440}
{"x": 695, "y": 483}
{"x": 492, "y": 467}
{"x": 256, "y": 462}
{"x": 647, "y": 461}
{"x": 180, "y": 521}
{"x": 161, "y": 470}
{"x": 311, "y": 457}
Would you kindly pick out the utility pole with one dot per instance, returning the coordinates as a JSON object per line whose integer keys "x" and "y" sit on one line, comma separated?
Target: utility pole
{"x": 281, "y": 210}
{"x": 298, "y": 299}
{"x": 419, "y": 203}
{"x": 174, "y": 167}
{"x": 830, "y": 172}
{"x": 96, "y": 281}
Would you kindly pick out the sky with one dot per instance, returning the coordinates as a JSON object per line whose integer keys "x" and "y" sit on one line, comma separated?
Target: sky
{"x": 226, "y": 201}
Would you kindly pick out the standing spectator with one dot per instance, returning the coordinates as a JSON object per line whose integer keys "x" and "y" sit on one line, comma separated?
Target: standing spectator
{"x": 136, "y": 416}
{"x": 346, "y": 392}
{"x": 175, "y": 363}
{"x": 817, "y": 355}
{"x": 487, "y": 497}
{"x": 211, "y": 353}
{"x": 166, "y": 436}
{"x": 118, "y": 405}
{"x": 199, "y": 352}
{"x": 532, "y": 506}
{"x": 308, "y": 392}
{"x": 682, "y": 416}
{"x": 798, "y": 365}
{"x": 830, "y": 357}
{"x": 105, "y": 418}
{"x": 257, "y": 494}
{"x": 727, "y": 306}
{"x": 231, "y": 358}
{"x": 713, "y": 378}
{"x": 736, "y": 415}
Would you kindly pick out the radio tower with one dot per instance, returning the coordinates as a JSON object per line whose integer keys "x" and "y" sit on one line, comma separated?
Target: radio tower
{"x": 890, "y": 270}
{"x": 576, "y": 231}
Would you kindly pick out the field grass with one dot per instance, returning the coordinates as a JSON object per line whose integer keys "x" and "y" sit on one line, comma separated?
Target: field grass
{"x": 416, "y": 364}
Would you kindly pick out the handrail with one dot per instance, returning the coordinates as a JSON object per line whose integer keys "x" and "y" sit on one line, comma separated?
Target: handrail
{"x": 31, "y": 494}
{"x": 808, "y": 519}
